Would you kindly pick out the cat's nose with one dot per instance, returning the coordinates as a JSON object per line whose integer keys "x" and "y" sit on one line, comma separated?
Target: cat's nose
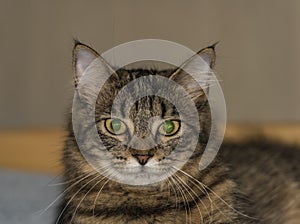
{"x": 142, "y": 158}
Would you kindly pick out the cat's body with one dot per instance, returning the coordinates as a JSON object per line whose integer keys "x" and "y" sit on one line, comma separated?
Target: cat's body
{"x": 246, "y": 183}
{"x": 262, "y": 182}
{"x": 268, "y": 175}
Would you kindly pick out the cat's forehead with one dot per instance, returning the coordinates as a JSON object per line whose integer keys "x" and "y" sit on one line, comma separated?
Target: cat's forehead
{"x": 128, "y": 75}
{"x": 130, "y": 92}
{"x": 153, "y": 106}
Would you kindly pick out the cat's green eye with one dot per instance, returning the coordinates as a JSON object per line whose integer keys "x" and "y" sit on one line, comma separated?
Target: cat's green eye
{"x": 115, "y": 126}
{"x": 169, "y": 127}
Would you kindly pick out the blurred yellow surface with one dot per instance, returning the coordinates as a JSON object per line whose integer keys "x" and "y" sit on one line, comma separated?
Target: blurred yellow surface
{"x": 33, "y": 150}
{"x": 39, "y": 150}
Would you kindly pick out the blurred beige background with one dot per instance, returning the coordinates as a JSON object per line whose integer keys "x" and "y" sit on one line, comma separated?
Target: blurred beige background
{"x": 258, "y": 60}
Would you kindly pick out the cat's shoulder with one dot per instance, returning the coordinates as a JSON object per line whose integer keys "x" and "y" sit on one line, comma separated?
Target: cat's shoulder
{"x": 262, "y": 154}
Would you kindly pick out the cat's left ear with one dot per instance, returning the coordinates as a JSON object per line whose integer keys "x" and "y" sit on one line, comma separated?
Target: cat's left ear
{"x": 195, "y": 70}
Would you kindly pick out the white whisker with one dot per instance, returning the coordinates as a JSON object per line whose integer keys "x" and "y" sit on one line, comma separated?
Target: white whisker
{"x": 219, "y": 197}
{"x": 61, "y": 194}
{"x": 181, "y": 181}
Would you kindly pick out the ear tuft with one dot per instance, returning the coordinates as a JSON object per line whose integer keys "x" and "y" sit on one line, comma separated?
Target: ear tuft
{"x": 208, "y": 54}
{"x": 76, "y": 42}
{"x": 83, "y": 56}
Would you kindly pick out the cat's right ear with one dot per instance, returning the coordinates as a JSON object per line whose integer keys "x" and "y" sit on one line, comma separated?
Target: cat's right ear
{"x": 83, "y": 56}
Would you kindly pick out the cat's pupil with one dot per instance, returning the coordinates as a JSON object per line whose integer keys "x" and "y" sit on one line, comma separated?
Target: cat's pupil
{"x": 168, "y": 126}
{"x": 116, "y": 125}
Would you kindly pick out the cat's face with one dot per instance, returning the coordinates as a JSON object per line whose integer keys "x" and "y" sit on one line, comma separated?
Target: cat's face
{"x": 142, "y": 135}
{"x": 144, "y": 141}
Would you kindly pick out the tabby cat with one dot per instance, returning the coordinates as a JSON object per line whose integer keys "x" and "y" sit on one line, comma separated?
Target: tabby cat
{"x": 252, "y": 182}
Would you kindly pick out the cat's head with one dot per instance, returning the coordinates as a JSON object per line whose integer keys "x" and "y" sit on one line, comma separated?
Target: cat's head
{"x": 148, "y": 120}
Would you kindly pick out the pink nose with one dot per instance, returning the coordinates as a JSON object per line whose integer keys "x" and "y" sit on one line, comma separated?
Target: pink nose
{"x": 142, "y": 158}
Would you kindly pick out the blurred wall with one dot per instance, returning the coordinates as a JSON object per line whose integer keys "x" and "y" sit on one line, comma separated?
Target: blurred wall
{"x": 258, "y": 57}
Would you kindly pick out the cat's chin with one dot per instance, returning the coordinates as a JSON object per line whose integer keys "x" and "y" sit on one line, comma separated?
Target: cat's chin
{"x": 153, "y": 187}
{"x": 140, "y": 175}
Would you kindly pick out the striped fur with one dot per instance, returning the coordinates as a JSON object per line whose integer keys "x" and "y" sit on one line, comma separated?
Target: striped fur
{"x": 247, "y": 183}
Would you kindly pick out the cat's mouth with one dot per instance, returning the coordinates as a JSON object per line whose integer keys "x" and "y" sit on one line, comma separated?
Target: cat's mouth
{"x": 138, "y": 169}
{"x": 140, "y": 172}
